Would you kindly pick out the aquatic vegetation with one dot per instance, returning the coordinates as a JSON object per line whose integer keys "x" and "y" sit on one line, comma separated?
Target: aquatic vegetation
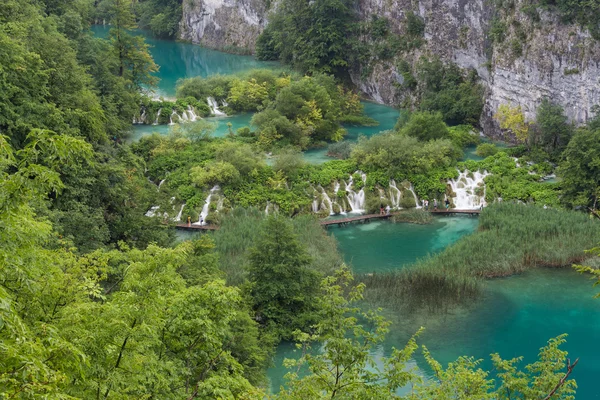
{"x": 511, "y": 239}
{"x": 414, "y": 216}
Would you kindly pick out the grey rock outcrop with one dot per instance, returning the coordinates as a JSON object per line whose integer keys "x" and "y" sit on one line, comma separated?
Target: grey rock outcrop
{"x": 232, "y": 25}
{"x": 555, "y": 60}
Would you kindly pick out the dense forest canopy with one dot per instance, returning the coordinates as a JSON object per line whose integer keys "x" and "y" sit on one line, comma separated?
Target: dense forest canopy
{"x": 98, "y": 301}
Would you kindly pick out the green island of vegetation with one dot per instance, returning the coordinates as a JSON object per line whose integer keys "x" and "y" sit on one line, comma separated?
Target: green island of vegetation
{"x": 99, "y": 301}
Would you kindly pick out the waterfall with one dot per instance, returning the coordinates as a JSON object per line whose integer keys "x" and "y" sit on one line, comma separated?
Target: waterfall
{"x": 465, "y": 189}
{"x": 267, "y": 207}
{"x": 160, "y": 184}
{"x": 326, "y": 201}
{"x": 191, "y": 114}
{"x": 171, "y": 117}
{"x": 214, "y": 107}
{"x": 178, "y": 217}
{"x": 152, "y": 211}
{"x": 204, "y": 212}
{"x": 157, "y": 115}
{"x": 315, "y": 205}
{"x": 395, "y": 194}
{"x": 356, "y": 200}
{"x": 412, "y": 190}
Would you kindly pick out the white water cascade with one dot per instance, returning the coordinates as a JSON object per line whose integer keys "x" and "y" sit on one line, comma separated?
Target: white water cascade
{"x": 214, "y": 107}
{"x": 356, "y": 200}
{"x": 157, "y": 115}
{"x": 152, "y": 211}
{"x": 412, "y": 190}
{"x": 204, "y": 212}
{"x": 315, "y": 206}
{"x": 160, "y": 184}
{"x": 191, "y": 115}
{"x": 326, "y": 201}
{"x": 469, "y": 190}
{"x": 395, "y": 194}
{"x": 171, "y": 117}
{"x": 178, "y": 217}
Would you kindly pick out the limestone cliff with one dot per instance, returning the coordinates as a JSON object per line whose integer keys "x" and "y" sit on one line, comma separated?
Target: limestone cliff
{"x": 536, "y": 58}
{"x": 537, "y": 55}
{"x": 231, "y": 25}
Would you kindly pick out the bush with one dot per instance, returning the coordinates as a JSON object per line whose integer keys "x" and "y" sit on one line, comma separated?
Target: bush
{"x": 486, "y": 150}
{"x": 413, "y": 216}
{"x": 425, "y": 126}
{"x": 341, "y": 150}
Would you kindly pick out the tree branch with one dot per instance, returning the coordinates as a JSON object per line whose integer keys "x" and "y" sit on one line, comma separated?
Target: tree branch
{"x": 563, "y": 379}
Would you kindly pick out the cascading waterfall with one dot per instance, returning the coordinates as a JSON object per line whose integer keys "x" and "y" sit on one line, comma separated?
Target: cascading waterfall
{"x": 180, "y": 213}
{"x": 214, "y": 107}
{"x": 356, "y": 200}
{"x": 157, "y": 115}
{"x": 326, "y": 201}
{"x": 171, "y": 117}
{"x": 192, "y": 117}
{"x": 315, "y": 206}
{"x": 204, "y": 212}
{"x": 152, "y": 211}
{"x": 412, "y": 190}
{"x": 466, "y": 188}
{"x": 395, "y": 194}
{"x": 160, "y": 184}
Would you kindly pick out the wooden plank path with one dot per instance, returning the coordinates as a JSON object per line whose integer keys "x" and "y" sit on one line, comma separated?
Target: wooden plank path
{"x": 192, "y": 227}
{"x": 341, "y": 221}
{"x": 368, "y": 217}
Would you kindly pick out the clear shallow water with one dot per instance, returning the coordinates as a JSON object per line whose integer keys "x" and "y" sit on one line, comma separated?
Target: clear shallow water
{"x": 384, "y": 246}
{"x": 516, "y": 316}
{"x": 179, "y": 60}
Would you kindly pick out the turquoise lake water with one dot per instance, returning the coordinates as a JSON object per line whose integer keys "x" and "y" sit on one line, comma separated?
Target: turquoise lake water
{"x": 516, "y": 316}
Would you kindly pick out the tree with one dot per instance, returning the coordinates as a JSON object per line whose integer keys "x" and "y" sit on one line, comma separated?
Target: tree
{"x": 343, "y": 367}
{"x": 425, "y": 126}
{"x": 135, "y": 62}
{"x": 580, "y": 169}
{"x": 513, "y": 120}
{"x": 282, "y": 284}
{"x": 552, "y": 127}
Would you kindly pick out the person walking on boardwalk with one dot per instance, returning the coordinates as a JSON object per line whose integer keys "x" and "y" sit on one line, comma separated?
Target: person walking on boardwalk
{"x": 189, "y": 221}
{"x": 426, "y": 205}
{"x": 447, "y": 203}
{"x": 434, "y": 204}
{"x": 381, "y": 211}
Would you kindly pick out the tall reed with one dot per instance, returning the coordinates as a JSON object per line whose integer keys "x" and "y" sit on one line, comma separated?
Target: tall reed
{"x": 511, "y": 239}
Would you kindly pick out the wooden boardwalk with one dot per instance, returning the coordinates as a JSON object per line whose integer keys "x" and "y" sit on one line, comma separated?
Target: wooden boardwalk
{"x": 193, "y": 227}
{"x": 341, "y": 221}
{"x": 369, "y": 217}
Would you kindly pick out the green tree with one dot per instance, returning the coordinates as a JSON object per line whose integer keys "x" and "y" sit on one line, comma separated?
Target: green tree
{"x": 551, "y": 127}
{"x": 580, "y": 169}
{"x": 282, "y": 284}
{"x": 425, "y": 126}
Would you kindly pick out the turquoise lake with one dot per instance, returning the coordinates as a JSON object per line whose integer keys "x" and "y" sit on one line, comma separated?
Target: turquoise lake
{"x": 516, "y": 316}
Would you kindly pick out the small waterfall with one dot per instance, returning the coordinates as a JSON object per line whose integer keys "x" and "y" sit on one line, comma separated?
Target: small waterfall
{"x": 160, "y": 184}
{"x": 326, "y": 201}
{"x": 191, "y": 114}
{"x": 171, "y": 117}
{"x": 178, "y": 217}
{"x": 395, "y": 194}
{"x": 315, "y": 206}
{"x": 412, "y": 190}
{"x": 204, "y": 212}
{"x": 152, "y": 211}
{"x": 157, "y": 115}
{"x": 465, "y": 188}
{"x": 214, "y": 107}
{"x": 356, "y": 200}
{"x": 267, "y": 207}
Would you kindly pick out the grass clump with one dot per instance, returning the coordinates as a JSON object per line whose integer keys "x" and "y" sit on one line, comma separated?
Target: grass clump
{"x": 511, "y": 239}
{"x": 239, "y": 230}
{"x": 414, "y": 216}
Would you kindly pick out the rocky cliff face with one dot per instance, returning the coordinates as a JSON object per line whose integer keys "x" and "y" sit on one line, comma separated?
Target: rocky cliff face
{"x": 232, "y": 25}
{"x": 538, "y": 55}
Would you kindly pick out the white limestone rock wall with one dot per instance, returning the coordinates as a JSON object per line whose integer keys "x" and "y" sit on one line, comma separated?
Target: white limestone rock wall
{"x": 558, "y": 61}
{"x": 232, "y": 25}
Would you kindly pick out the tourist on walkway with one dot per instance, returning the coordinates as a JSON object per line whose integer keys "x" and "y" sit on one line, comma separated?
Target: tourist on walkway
{"x": 381, "y": 211}
{"x": 387, "y": 210}
{"x": 447, "y": 203}
{"x": 426, "y": 205}
{"x": 434, "y": 204}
